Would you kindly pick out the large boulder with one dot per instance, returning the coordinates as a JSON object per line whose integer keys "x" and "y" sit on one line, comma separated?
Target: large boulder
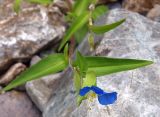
{"x": 21, "y": 36}
{"x": 138, "y": 90}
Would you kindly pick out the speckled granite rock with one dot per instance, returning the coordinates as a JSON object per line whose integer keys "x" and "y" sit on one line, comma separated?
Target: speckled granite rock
{"x": 23, "y": 35}
{"x": 138, "y": 90}
{"x": 63, "y": 100}
{"x": 17, "y": 104}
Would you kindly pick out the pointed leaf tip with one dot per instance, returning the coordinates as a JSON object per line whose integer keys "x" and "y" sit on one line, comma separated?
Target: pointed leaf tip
{"x": 49, "y": 65}
{"x": 105, "y": 28}
{"x": 104, "y": 66}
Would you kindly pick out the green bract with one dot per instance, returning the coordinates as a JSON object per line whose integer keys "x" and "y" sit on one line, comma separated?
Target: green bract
{"x": 81, "y": 63}
{"x": 90, "y": 79}
{"x": 77, "y": 80}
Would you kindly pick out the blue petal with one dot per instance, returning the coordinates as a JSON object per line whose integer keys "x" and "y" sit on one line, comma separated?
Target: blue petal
{"x": 84, "y": 91}
{"x": 97, "y": 90}
{"x": 107, "y": 98}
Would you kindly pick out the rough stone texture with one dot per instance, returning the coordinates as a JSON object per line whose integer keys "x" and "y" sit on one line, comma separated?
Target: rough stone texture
{"x": 63, "y": 100}
{"x": 141, "y": 6}
{"x": 40, "y": 90}
{"x": 23, "y": 35}
{"x": 17, "y": 104}
{"x": 12, "y": 73}
{"x": 154, "y": 13}
{"x": 138, "y": 90}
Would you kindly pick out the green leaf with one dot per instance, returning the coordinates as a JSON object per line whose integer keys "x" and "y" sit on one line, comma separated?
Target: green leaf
{"x": 81, "y": 63}
{"x": 66, "y": 54}
{"x": 81, "y": 6}
{"x": 103, "y": 65}
{"x": 105, "y": 28}
{"x": 77, "y": 24}
{"x": 91, "y": 41}
{"x": 77, "y": 80}
{"x": 70, "y": 17}
{"x": 90, "y": 79}
{"x": 16, "y": 5}
{"x": 43, "y": 2}
{"x": 49, "y": 65}
{"x": 99, "y": 11}
{"x": 81, "y": 33}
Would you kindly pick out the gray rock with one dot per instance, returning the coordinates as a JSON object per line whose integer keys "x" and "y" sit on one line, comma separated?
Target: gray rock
{"x": 62, "y": 102}
{"x": 138, "y": 90}
{"x": 40, "y": 90}
{"x": 17, "y": 104}
{"x": 12, "y": 73}
{"x": 23, "y": 35}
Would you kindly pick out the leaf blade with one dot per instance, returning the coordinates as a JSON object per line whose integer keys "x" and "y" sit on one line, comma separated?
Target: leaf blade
{"x": 99, "y": 11}
{"x": 105, "y": 28}
{"x": 49, "y": 65}
{"x": 81, "y": 33}
{"x": 81, "y": 6}
{"x": 104, "y": 66}
{"x": 77, "y": 24}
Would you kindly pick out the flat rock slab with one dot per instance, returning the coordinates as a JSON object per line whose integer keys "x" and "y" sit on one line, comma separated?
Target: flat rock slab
{"x": 17, "y": 104}
{"x": 23, "y": 35}
{"x": 138, "y": 90}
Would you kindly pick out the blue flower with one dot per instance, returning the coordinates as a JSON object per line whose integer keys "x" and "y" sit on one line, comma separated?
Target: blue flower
{"x": 103, "y": 97}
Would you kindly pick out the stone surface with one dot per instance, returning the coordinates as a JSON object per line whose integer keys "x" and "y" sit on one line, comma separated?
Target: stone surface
{"x": 17, "y": 104}
{"x": 40, "y": 90}
{"x": 154, "y": 13}
{"x": 12, "y": 73}
{"x": 25, "y": 34}
{"x": 63, "y": 100}
{"x": 138, "y": 90}
{"x": 141, "y": 6}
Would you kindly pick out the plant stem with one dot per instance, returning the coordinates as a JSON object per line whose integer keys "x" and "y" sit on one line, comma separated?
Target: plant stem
{"x": 72, "y": 41}
{"x": 72, "y": 45}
